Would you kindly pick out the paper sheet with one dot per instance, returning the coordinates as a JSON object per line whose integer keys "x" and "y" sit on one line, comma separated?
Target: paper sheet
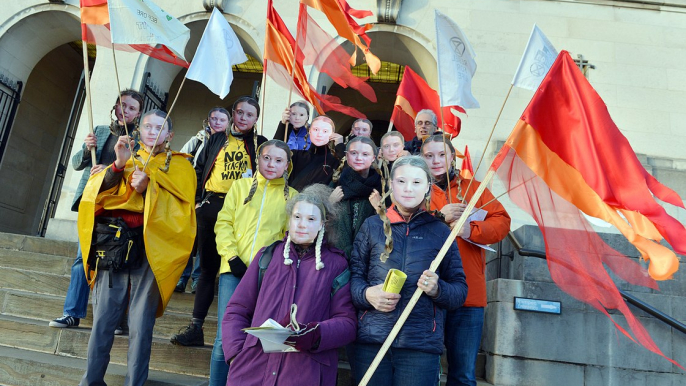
{"x": 272, "y": 336}
{"x": 478, "y": 215}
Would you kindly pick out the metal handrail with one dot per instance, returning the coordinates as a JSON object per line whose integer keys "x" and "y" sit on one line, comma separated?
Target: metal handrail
{"x": 634, "y": 301}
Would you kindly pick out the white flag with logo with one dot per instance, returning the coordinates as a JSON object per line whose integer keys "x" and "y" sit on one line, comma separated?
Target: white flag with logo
{"x": 143, "y": 22}
{"x": 218, "y": 51}
{"x": 456, "y": 65}
{"x": 538, "y": 57}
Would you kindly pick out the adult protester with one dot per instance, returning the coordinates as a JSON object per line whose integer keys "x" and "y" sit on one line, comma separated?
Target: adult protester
{"x": 425, "y": 125}
{"x": 305, "y": 287}
{"x": 296, "y": 116}
{"x": 317, "y": 164}
{"x": 464, "y": 325}
{"x": 407, "y": 238}
{"x": 103, "y": 141}
{"x": 253, "y": 216}
{"x": 217, "y": 121}
{"x": 353, "y": 188}
{"x": 151, "y": 210}
{"x": 226, "y": 157}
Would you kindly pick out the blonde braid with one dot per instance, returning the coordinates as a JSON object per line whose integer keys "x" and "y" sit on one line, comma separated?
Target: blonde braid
{"x": 287, "y": 251}
{"x": 285, "y": 186}
{"x": 167, "y": 161}
{"x": 337, "y": 173}
{"x": 318, "y": 250}
{"x": 253, "y": 189}
{"x": 388, "y": 246}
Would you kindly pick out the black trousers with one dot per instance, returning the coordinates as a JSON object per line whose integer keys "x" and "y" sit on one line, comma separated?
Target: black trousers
{"x": 206, "y": 217}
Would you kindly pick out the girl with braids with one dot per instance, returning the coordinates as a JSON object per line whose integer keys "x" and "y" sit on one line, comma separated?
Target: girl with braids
{"x": 227, "y": 156}
{"x": 317, "y": 164}
{"x": 354, "y": 187}
{"x": 305, "y": 274}
{"x": 157, "y": 206}
{"x": 253, "y": 216}
{"x": 406, "y": 238}
{"x": 464, "y": 325}
{"x": 296, "y": 116}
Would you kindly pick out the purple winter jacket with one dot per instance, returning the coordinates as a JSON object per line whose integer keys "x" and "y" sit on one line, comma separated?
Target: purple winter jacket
{"x": 283, "y": 285}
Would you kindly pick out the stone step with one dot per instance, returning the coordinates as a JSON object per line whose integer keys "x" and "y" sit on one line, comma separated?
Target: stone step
{"x": 38, "y": 245}
{"x": 29, "y": 368}
{"x": 36, "y": 262}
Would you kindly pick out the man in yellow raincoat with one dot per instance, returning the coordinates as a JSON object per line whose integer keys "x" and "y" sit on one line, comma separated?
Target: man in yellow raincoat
{"x": 161, "y": 199}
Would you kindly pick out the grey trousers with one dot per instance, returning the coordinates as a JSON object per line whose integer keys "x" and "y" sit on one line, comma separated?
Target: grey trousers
{"x": 109, "y": 304}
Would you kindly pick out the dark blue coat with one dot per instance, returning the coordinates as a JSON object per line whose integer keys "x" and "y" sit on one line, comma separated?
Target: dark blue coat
{"x": 415, "y": 244}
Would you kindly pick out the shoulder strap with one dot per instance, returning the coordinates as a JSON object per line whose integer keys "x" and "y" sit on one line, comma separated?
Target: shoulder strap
{"x": 341, "y": 280}
{"x": 263, "y": 262}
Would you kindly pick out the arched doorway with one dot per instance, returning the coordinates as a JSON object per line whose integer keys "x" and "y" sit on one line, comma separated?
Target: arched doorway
{"x": 397, "y": 47}
{"x": 39, "y": 50}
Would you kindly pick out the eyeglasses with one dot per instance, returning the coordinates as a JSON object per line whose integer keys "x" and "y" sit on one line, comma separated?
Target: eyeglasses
{"x": 424, "y": 123}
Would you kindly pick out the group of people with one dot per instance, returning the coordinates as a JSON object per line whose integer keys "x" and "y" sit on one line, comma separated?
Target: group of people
{"x": 302, "y": 229}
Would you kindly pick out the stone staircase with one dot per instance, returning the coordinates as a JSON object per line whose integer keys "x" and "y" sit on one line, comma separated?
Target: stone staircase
{"x": 34, "y": 276}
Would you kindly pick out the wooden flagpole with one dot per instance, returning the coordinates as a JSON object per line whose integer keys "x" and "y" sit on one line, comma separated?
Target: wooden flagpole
{"x": 390, "y": 127}
{"x": 86, "y": 72}
{"x": 445, "y": 151}
{"x": 121, "y": 106}
{"x": 434, "y": 265}
{"x": 488, "y": 140}
{"x": 264, "y": 92}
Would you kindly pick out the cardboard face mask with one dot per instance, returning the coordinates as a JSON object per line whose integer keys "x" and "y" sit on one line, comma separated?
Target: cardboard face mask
{"x": 320, "y": 132}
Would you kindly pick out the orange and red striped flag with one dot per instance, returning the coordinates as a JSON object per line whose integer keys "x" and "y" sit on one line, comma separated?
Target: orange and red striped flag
{"x": 415, "y": 94}
{"x": 567, "y": 157}
{"x": 467, "y": 170}
{"x": 95, "y": 29}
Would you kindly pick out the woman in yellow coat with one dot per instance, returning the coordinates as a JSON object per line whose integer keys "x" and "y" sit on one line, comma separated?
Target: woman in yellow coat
{"x": 157, "y": 202}
{"x": 253, "y": 216}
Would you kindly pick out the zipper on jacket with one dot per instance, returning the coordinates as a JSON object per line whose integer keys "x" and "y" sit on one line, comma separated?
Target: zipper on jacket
{"x": 259, "y": 221}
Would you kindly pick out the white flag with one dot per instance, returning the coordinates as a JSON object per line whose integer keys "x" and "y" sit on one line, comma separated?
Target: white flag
{"x": 538, "y": 56}
{"x": 456, "y": 65}
{"x": 219, "y": 49}
{"x": 143, "y": 22}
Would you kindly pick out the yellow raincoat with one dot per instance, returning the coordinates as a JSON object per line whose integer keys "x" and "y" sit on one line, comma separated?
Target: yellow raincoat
{"x": 243, "y": 229}
{"x": 168, "y": 216}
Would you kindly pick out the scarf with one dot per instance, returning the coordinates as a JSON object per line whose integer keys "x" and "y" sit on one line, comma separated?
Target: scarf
{"x": 357, "y": 187}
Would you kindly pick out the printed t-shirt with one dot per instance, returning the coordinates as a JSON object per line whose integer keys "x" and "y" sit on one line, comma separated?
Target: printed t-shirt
{"x": 231, "y": 163}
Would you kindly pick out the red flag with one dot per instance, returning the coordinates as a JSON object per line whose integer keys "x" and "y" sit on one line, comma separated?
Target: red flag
{"x": 322, "y": 51}
{"x": 566, "y": 156}
{"x": 279, "y": 48}
{"x": 414, "y": 94}
{"x": 467, "y": 170}
{"x": 340, "y": 15}
{"x": 95, "y": 29}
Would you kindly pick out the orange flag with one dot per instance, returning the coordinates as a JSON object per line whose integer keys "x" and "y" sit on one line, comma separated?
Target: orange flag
{"x": 415, "y": 94}
{"x": 467, "y": 170}
{"x": 340, "y": 15}
{"x": 278, "y": 56}
{"x": 566, "y": 157}
{"x": 95, "y": 29}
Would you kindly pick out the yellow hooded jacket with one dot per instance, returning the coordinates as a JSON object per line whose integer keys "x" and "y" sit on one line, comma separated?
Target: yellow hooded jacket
{"x": 242, "y": 230}
{"x": 168, "y": 209}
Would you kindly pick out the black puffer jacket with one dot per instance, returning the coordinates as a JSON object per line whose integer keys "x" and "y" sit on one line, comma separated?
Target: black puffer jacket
{"x": 415, "y": 244}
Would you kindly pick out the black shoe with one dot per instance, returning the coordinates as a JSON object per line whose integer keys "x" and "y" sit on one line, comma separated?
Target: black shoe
{"x": 194, "y": 286}
{"x": 65, "y": 321}
{"x": 180, "y": 286}
{"x": 191, "y": 336}
{"x": 123, "y": 329}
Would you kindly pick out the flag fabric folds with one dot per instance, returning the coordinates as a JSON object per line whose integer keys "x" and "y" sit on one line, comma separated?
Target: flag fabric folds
{"x": 467, "y": 170}
{"x": 456, "y": 65}
{"x": 539, "y": 55}
{"x": 413, "y": 95}
{"x": 218, "y": 50}
{"x": 144, "y": 22}
{"x": 95, "y": 29}
{"x": 340, "y": 15}
{"x": 279, "y": 64}
{"x": 566, "y": 158}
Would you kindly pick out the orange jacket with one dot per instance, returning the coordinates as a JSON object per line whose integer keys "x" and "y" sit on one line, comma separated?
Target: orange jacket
{"x": 493, "y": 229}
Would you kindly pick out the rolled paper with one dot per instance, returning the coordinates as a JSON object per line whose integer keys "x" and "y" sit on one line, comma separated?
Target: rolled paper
{"x": 394, "y": 281}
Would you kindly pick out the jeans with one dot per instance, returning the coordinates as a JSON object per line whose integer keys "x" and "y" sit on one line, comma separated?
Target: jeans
{"x": 206, "y": 216}
{"x": 192, "y": 270}
{"x": 399, "y": 367}
{"x": 76, "y": 302}
{"x": 463, "y": 329}
{"x": 219, "y": 369}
